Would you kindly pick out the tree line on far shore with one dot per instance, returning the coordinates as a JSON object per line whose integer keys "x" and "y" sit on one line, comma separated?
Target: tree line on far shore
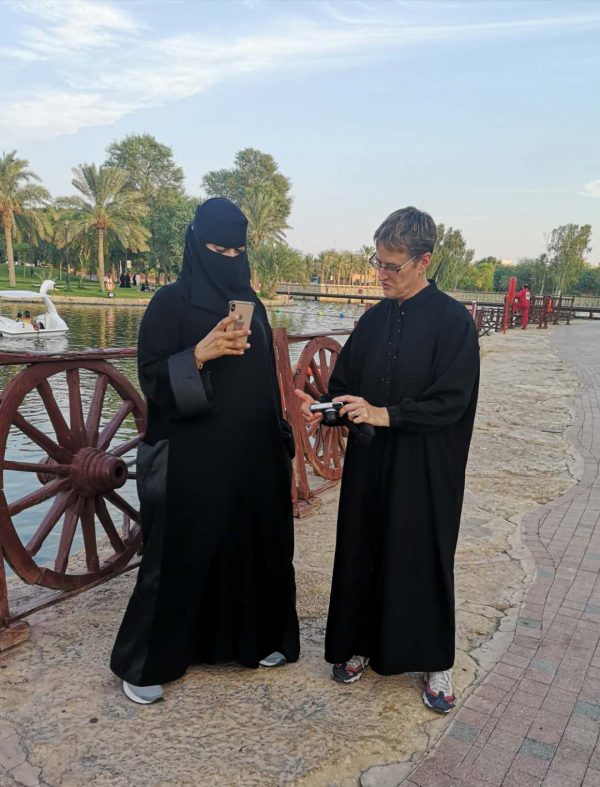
{"x": 134, "y": 207}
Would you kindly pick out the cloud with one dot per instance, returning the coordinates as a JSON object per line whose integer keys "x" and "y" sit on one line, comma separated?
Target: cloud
{"x": 591, "y": 189}
{"x": 105, "y": 70}
{"x": 67, "y": 28}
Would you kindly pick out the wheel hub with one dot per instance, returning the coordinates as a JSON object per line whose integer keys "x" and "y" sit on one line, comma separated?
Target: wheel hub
{"x": 94, "y": 472}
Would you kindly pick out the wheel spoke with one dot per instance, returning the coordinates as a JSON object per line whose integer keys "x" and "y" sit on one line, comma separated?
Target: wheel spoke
{"x": 92, "y": 423}
{"x": 316, "y": 372}
{"x": 34, "y": 498}
{"x": 123, "y": 506}
{"x": 109, "y": 431}
{"x": 57, "y": 452}
{"x": 66, "y": 537}
{"x": 89, "y": 534}
{"x": 34, "y": 467}
{"x": 324, "y": 367}
{"x": 63, "y": 433}
{"x": 108, "y": 525}
{"x": 121, "y": 450}
{"x": 62, "y": 501}
{"x": 75, "y": 406}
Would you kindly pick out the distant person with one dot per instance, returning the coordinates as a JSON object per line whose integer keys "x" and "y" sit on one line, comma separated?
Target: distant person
{"x": 27, "y": 317}
{"x": 122, "y": 280}
{"x": 19, "y": 317}
{"x": 134, "y": 281}
{"x": 522, "y": 304}
{"x": 410, "y": 372}
{"x": 128, "y": 281}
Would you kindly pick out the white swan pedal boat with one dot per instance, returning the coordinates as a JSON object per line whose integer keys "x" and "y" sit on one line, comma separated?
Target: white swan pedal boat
{"x": 50, "y": 323}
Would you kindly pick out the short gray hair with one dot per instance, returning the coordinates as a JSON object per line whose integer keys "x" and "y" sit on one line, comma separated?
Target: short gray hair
{"x": 407, "y": 229}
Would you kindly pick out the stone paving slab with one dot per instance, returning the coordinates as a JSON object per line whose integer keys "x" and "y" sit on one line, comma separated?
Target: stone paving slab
{"x": 534, "y": 719}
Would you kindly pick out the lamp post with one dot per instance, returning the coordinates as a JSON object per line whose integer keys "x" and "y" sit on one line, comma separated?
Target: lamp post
{"x": 67, "y": 247}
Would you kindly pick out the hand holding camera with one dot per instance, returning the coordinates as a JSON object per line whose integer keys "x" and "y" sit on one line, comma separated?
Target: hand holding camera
{"x": 222, "y": 340}
{"x": 315, "y": 412}
{"x": 329, "y": 410}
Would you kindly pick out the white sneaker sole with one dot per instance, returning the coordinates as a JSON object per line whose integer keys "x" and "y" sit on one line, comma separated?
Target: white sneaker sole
{"x": 279, "y": 663}
{"x": 134, "y": 697}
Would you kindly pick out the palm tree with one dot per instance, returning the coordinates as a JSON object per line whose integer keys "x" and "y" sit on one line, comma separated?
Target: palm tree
{"x": 108, "y": 210}
{"x": 265, "y": 225}
{"x": 367, "y": 252}
{"x": 21, "y": 204}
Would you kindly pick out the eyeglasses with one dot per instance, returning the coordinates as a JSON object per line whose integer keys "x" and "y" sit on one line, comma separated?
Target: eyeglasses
{"x": 383, "y": 266}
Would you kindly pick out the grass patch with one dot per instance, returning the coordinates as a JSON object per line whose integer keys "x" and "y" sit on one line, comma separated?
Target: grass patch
{"x": 31, "y": 278}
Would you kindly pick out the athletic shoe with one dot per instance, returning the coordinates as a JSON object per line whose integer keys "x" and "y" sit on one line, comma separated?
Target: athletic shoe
{"x": 143, "y": 695}
{"x": 276, "y": 659}
{"x": 350, "y": 671}
{"x": 439, "y": 694}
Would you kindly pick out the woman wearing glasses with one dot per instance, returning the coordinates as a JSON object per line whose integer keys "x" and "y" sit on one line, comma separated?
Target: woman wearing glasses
{"x": 410, "y": 369}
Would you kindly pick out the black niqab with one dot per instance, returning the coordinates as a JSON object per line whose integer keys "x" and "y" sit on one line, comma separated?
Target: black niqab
{"x": 211, "y": 279}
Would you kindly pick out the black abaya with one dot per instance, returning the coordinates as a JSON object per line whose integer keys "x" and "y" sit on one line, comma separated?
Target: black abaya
{"x": 216, "y": 582}
{"x": 393, "y": 584}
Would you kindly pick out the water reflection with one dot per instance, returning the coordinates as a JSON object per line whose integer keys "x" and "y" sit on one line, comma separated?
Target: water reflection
{"x": 110, "y": 326}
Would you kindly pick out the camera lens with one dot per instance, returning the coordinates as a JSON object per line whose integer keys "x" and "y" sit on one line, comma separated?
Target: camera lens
{"x": 232, "y": 307}
{"x": 330, "y": 416}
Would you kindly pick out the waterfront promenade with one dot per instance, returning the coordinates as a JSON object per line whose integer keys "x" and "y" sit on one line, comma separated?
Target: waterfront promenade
{"x": 535, "y": 718}
{"x": 528, "y": 675}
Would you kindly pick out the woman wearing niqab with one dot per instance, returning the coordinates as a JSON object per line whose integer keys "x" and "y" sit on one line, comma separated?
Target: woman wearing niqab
{"x": 216, "y": 583}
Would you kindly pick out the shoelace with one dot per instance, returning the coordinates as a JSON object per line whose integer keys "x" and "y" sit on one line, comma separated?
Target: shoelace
{"x": 441, "y": 681}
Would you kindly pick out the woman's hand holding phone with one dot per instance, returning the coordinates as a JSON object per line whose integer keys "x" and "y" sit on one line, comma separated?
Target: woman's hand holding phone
{"x": 220, "y": 342}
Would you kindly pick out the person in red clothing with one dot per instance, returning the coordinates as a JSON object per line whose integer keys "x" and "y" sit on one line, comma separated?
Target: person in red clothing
{"x": 522, "y": 303}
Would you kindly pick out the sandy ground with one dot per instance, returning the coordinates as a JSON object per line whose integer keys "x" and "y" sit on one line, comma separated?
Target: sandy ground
{"x": 64, "y": 721}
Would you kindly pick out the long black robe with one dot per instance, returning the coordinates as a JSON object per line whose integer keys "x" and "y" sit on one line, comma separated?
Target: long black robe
{"x": 393, "y": 582}
{"x": 216, "y": 582}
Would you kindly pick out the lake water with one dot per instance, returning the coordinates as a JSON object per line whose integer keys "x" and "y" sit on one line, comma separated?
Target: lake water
{"x": 112, "y": 326}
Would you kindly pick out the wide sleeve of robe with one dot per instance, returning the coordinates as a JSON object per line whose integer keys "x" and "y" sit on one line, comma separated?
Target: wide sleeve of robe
{"x": 167, "y": 371}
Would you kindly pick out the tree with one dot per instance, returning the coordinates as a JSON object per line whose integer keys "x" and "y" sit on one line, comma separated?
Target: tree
{"x": 274, "y": 263}
{"x": 168, "y": 219}
{"x": 253, "y": 171}
{"x": 589, "y": 281}
{"x": 451, "y": 258}
{"x": 21, "y": 205}
{"x": 366, "y": 252}
{"x": 108, "y": 209}
{"x": 479, "y": 276}
{"x": 501, "y": 276}
{"x": 261, "y": 210}
{"x": 150, "y": 164}
{"x": 567, "y": 247}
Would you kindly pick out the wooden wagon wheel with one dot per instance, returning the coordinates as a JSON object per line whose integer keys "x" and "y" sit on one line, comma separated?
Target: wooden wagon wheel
{"x": 80, "y": 471}
{"x": 324, "y": 446}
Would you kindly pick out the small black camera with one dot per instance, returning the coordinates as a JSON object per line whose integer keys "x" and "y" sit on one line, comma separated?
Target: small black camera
{"x": 329, "y": 409}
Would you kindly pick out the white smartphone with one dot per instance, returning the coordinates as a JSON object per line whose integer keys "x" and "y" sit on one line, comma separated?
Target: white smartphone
{"x": 243, "y": 310}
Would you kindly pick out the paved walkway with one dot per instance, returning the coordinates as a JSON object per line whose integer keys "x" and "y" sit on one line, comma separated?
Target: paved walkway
{"x": 535, "y": 718}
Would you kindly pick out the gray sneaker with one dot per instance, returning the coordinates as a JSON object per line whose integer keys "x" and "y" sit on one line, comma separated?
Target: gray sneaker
{"x": 143, "y": 695}
{"x": 275, "y": 659}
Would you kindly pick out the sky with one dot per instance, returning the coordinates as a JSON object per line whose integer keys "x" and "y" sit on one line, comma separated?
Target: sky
{"x": 485, "y": 114}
